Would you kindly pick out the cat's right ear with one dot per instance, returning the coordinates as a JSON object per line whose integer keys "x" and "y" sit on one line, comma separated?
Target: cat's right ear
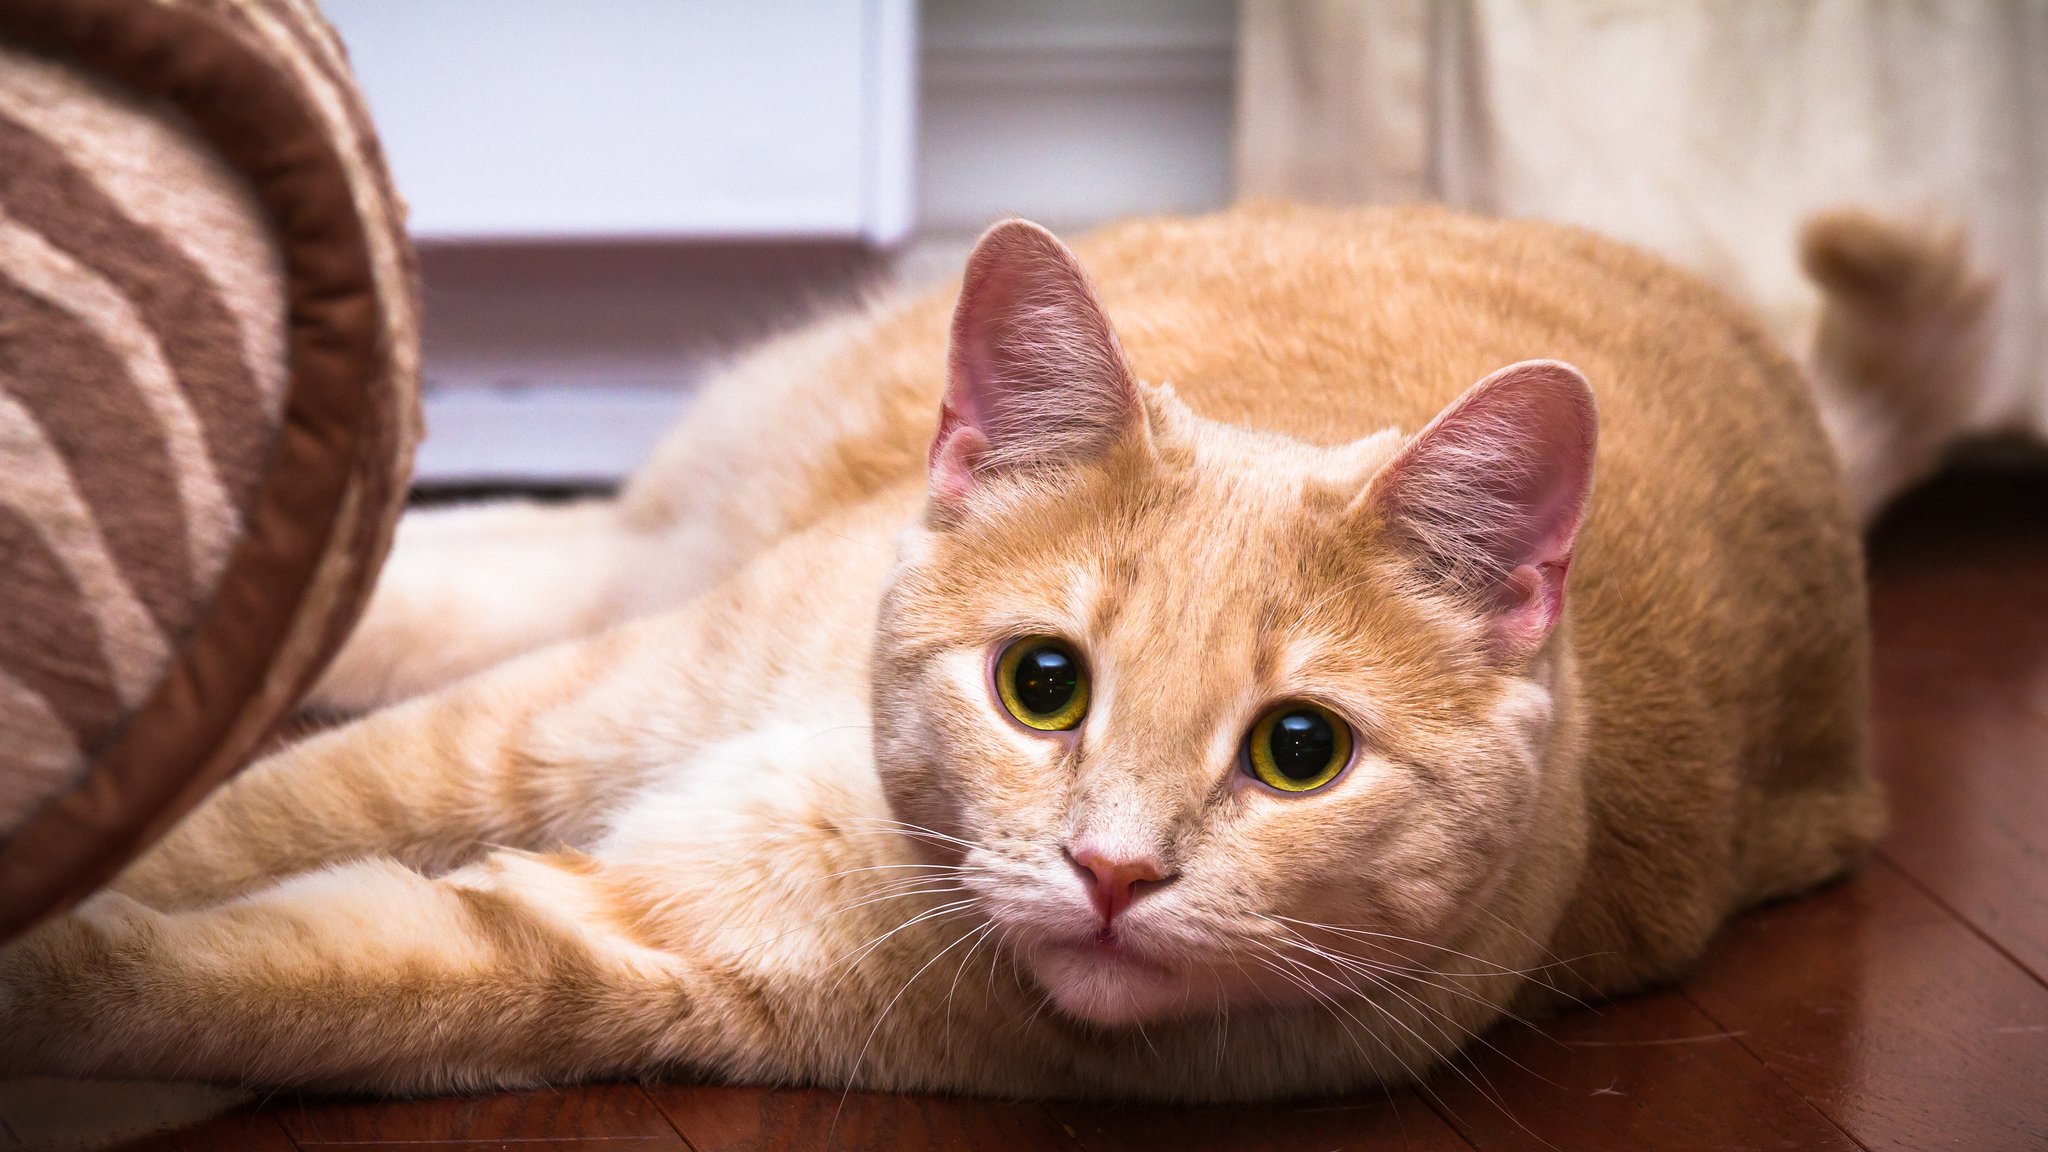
{"x": 1034, "y": 376}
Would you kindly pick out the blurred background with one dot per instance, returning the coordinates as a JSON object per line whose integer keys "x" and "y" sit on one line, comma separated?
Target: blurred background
{"x": 611, "y": 195}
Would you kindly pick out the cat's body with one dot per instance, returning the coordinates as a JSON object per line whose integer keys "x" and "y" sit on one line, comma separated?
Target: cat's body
{"x": 762, "y": 837}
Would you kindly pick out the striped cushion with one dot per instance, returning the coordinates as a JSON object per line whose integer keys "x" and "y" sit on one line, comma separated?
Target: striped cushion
{"x": 208, "y": 370}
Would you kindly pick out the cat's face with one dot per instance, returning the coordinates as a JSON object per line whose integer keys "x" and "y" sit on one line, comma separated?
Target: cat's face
{"x": 1203, "y": 715}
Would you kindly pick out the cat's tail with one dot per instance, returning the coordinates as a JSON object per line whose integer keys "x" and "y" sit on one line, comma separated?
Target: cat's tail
{"x": 1898, "y": 354}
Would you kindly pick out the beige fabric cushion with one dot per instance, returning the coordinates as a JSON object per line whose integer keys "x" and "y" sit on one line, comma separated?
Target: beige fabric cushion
{"x": 208, "y": 404}
{"x": 1703, "y": 130}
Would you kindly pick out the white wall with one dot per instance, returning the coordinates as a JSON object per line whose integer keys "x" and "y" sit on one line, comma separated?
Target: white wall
{"x": 1073, "y": 111}
{"x": 518, "y": 119}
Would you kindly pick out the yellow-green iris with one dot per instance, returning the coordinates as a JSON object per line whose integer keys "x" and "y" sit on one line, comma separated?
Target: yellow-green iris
{"x": 1043, "y": 683}
{"x": 1298, "y": 747}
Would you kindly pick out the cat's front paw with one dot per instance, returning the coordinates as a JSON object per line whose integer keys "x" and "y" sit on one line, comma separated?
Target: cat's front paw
{"x": 48, "y": 978}
{"x": 17, "y": 964}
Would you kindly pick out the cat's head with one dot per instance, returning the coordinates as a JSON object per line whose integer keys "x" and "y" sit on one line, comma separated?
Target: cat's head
{"x": 1181, "y": 699}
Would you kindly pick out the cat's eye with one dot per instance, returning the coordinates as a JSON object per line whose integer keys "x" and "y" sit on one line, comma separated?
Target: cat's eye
{"x": 1043, "y": 683}
{"x": 1297, "y": 747}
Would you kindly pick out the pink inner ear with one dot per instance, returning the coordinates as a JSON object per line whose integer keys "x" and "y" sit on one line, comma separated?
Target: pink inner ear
{"x": 1034, "y": 373}
{"x": 1492, "y": 493}
{"x": 956, "y": 453}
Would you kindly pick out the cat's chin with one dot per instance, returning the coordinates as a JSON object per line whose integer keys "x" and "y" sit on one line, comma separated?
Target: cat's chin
{"x": 1107, "y": 989}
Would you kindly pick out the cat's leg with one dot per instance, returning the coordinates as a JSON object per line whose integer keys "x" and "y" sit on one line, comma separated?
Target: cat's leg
{"x": 515, "y": 970}
{"x": 468, "y": 587}
{"x": 528, "y": 756}
{"x": 537, "y": 752}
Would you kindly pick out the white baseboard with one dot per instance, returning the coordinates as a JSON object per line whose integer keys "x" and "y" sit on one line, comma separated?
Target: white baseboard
{"x": 561, "y": 434}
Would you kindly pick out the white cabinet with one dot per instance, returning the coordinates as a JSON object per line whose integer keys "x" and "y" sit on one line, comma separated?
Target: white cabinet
{"x": 579, "y": 169}
{"x": 604, "y": 119}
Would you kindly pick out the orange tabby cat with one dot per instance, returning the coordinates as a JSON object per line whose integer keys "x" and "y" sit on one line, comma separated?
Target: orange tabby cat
{"x": 1270, "y": 728}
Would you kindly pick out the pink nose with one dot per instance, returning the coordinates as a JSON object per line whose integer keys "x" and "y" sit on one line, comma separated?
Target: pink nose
{"x": 1113, "y": 879}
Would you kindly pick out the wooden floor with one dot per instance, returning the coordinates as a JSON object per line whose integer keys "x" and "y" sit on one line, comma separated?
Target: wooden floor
{"x": 1904, "y": 1009}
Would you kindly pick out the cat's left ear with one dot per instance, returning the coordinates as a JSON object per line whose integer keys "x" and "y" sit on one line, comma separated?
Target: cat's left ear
{"x": 1034, "y": 376}
{"x": 1490, "y": 495}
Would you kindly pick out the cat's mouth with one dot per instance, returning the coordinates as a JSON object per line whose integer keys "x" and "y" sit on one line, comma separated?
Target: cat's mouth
{"x": 1107, "y": 947}
{"x": 1103, "y": 979}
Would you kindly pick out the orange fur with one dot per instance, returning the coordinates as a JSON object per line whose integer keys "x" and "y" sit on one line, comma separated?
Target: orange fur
{"x": 775, "y": 834}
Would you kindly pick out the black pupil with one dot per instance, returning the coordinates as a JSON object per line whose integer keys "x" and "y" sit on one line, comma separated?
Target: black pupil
{"x": 1302, "y": 744}
{"x": 1046, "y": 679}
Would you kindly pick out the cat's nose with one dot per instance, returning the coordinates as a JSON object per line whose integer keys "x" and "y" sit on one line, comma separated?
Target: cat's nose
{"x": 1115, "y": 878}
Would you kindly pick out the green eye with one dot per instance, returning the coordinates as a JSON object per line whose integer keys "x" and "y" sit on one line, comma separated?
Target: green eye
{"x": 1298, "y": 747}
{"x": 1042, "y": 683}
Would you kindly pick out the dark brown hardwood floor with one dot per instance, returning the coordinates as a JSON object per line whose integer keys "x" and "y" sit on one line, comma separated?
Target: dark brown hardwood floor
{"x": 1906, "y": 1008}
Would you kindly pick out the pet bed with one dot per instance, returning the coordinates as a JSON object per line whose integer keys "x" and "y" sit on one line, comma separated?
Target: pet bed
{"x": 208, "y": 406}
